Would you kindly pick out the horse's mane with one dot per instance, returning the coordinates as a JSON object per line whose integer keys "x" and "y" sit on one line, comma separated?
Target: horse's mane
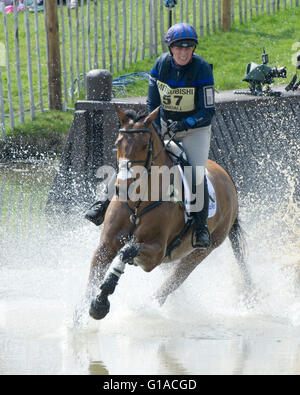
{"x": 136, "y": 116}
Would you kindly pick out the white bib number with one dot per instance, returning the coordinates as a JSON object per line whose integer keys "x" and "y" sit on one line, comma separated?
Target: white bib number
{"x": 176, "y": 99}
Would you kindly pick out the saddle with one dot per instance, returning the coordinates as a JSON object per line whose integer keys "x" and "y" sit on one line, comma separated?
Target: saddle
{"x": 178, "y": 156}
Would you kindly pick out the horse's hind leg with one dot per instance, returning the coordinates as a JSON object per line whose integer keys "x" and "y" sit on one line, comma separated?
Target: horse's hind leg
{"x": 180, "y": 273}
{"x": 100, "y": 305}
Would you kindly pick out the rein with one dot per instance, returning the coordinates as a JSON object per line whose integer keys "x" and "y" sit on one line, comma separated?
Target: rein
{"x": 134, "y": 215}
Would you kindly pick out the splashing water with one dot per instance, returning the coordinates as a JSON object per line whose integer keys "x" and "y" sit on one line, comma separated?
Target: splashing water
{"x": 206, "y": 326}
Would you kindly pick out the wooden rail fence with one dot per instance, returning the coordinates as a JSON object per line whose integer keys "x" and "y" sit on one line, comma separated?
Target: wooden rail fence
{"x": 108, "y": 34}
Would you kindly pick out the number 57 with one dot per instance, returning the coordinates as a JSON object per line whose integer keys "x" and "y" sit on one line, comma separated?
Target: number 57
{"x": 167, "y": 99}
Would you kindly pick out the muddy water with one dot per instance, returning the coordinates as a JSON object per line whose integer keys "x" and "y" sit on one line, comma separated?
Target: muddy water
{"x": 208, "y": 326}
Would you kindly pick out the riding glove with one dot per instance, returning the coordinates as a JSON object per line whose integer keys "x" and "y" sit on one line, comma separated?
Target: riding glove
{"x": 177, "y": 126}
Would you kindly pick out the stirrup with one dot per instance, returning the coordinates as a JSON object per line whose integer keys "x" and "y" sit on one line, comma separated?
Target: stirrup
{"x": 204, "y": 231}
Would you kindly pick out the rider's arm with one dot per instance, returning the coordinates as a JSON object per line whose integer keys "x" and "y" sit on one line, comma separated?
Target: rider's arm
{"x": 205, "y": 103}
{"x": 153, "y": 97}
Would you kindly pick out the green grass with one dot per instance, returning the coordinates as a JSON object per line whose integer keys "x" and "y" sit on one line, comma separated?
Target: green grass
{"x": 229, "y": 52}
{"x": 89, "y": 61}
{"x": 44, "y": 125}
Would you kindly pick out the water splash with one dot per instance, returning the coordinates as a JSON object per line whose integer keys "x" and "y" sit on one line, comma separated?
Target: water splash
{"x": 43, "y": 281}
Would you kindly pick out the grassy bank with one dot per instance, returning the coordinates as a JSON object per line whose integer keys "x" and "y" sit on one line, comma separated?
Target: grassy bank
{"x": 229, "y": 52}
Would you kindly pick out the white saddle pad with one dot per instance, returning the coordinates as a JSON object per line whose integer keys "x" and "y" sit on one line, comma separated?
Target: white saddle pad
{"x": 212, "y": 208}
{"x": 211, "y": 191}
{"x": 171, "y": 146}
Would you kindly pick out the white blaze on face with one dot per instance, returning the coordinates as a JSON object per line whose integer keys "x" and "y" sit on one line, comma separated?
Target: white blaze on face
{"x": 124, "y": 172}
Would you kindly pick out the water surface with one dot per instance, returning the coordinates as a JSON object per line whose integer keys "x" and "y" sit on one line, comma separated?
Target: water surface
{"x": 208, "y": 326}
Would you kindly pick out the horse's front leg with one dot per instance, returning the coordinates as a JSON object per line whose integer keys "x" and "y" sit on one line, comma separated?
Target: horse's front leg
{"x": 148, "y": 256}
{"x": 100, "y": 262}
{"x": 100, "y": 304}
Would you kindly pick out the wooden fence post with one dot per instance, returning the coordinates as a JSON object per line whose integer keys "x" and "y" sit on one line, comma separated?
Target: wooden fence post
{"x": 2, "y": 118}
{"x": 53, "y": 55}
{"x": 226, "y": 15}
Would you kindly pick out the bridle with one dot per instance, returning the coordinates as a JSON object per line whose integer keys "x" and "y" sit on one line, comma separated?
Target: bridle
{"x": 134, "y": 215}
{"x": 148, "y": 162}
{"x": 150, "y": 149}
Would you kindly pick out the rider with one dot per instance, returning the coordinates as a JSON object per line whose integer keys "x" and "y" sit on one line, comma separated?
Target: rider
{"x": 181, "y": 82}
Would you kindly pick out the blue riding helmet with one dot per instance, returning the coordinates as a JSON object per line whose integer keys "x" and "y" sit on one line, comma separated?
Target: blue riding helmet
{"x": 181, "y": 35}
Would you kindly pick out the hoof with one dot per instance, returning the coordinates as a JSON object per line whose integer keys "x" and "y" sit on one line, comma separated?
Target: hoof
{"x": 99, "y": 307}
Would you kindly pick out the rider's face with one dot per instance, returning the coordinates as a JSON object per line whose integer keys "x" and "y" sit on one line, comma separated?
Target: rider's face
{"x": 182, "y": 55}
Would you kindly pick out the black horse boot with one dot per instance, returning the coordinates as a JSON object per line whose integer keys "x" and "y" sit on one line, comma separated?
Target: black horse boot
{"x": 201, "y": 234}
{"x": 97, "y": 212}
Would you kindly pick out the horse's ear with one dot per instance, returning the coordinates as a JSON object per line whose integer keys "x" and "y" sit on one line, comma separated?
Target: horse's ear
{"x": 123, "y": 118}
{"x": 152, "y": 116}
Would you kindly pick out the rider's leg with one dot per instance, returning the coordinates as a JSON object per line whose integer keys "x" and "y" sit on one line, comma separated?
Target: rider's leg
{"x": 96, "y": 212}
{"x": 201, "y": 234}
{"x": 196, "y": 145}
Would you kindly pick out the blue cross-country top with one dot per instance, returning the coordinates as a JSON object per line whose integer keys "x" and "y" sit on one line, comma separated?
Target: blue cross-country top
{"x": 182, "y": 91}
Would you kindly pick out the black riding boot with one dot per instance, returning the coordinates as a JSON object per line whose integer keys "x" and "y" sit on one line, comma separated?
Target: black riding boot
{"x": 97, "y": 212}
{"x": 201, "y": 234}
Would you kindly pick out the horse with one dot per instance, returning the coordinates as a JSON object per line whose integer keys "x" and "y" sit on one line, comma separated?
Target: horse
{"x": 141, "y": 232}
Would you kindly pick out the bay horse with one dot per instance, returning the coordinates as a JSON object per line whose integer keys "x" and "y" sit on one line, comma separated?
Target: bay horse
{"x": 140, "y": 232}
